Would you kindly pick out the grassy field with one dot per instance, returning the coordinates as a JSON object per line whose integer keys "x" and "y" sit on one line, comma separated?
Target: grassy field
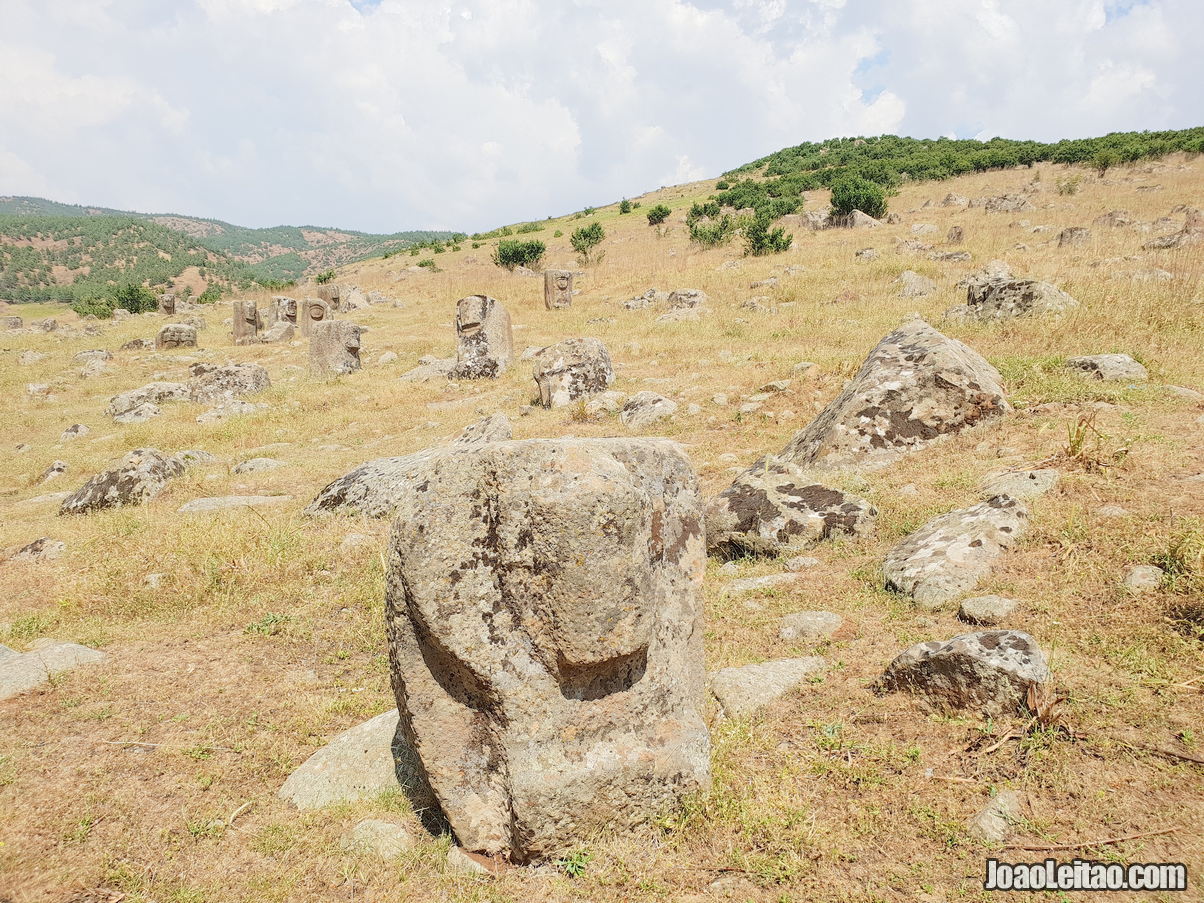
{"x": 264, "y": 636}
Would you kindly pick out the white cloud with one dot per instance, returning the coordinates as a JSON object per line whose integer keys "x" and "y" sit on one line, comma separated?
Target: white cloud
{"x": 404, "y": 114}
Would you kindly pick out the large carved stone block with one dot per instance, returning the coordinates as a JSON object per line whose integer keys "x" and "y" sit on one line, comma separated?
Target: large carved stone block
{"x": 545, "y": 625}
{"x": 334, "y": 347}
{"x": 286, "y": 309}
{"x": 485, "y": 343}
{"x": 176, "y": 335}
{"x": 313, "y": 310}
{"x": 570, "y": 369}
{"x": 167, "y": 304}
{"x": 245, "y": 323}
{"x": 557, "y": 289}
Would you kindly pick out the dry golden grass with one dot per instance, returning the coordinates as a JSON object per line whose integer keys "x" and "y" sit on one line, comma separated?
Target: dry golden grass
{"x": 264, "y": 638}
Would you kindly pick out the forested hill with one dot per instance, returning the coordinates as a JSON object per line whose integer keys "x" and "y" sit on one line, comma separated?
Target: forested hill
{"x": 278, "y": 253}
{"x": 774, "y": 183}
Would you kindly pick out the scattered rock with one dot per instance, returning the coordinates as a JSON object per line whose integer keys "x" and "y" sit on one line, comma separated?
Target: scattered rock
{"x": 1143, "y": 578}
{"x": 810, "y": 625}
{"x": 1007, "y": 300}
{"x": 430, "y": 368}
{"x": 380, "y": 838}
{"x": 915, "y": 387}
{"x": 221, "y": 503}
{"x": 572, "y": 369}
{"x": 55, "y": 470}
{"x": 1022, "y": 484}
{"x": 800, "y": 563}
{"x": 227, "y": 409}
{"x": 645, "y": 408}
{"x": 74, "y": 432}
{"x": 1110, "y": 367}
{"x": 956, "y": 235}
{"x": 176, "y": 335}
{"x": 990, "y": 672}
{"x": 1074, "y": 236}
{"x": 745, "y": 690}
{"x": 751, "y": 584}
{"x": 20, "y": 673}
{"x": 43, "y": 549}
{"x": 867, "y": 254}
{"x": 687, "y": 298}
{"x": 581, "y": 563}
{"x": 951, "y": 553}
{"x": 255, "y": 464}
{"x": 494, "y": 428}
{"x": 138, "y": 477}
{"x": 774, "y": 506}
{"x": 26, "y": 358}
{"x": 989, "y": 611}
{"x": 913, "y": 285}
{"x": 152, "y": 394}
{"x": 994, "y": 823}
{"x": 139, "y": 414}
{"x": 211, "y": 383}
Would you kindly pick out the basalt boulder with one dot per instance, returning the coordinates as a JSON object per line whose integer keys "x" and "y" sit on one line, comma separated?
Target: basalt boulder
{"x": 917, "y": 386}
{"x": 136, "y": 478}
{"x": 570, "y": 370}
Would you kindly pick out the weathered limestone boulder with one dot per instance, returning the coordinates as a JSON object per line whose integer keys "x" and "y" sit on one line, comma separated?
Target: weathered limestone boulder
{"x": 12, "y": 322}
{"x": 915, "y": 387}
{"x": 137, "y": 345}
{"x": 44, "y": 549}
{"x": 1021, "y": 484}
{"x": 484, "y": 339}
{"x": 352, "y": 298}
{"x": 687, "y": 298}
{"x": 136, "y": 478}
{"x": 313, "y": 310}
{"x": 557, "y": 289}
{"x": 151, "y": 393}
{"x": 167, "y": 304}
{"x": 1008, "y": 203}
{"x": 994, "y": 271}
{"x": 280, "y": 331}
{"x": 228, "y": 409}
{"x": 359, "y": 764}
{"x": 74, "y": 432}
{"x": 646, "y": 408}
{"x": 989, "y": 672}
{"x": 1119, "y": 367}
{"x": 429, "y": 368}
{"x": 951, "y": 553}
{"x": 245, "y": 323}
{"x": 988, "y": 611}
{"x": 996, "y": 820}
{"x": 854, "y": 220}
{"x": 809, "y": 625}
{"x": 956, "y": 235}
{"x": 571, "y": 369}
{"x": 211, "y": 382}
{"x": 334, "y": 347}
{"x": 747, "y": 689}
{"x": 19, "y": 673}
{"x": 176, "y": 335}
{"x": 923, "y": 229}
{"x": 139, "y": 414}
{"x": 913, "y": 285}
{"x": 376, "y": 488}
{"x": 385, "y": 839}
{"x": 774, "y": 507}
{"x": 955, "y": 200}
{"x": 1114, "y": 218}
{"x": 285, "y": 309}
{"x": 1007, "y": 300}
{"x": 544, "y": 615}
{"x": 1074, "y": 236}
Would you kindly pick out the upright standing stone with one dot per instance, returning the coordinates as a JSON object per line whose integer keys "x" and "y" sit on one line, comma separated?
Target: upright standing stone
{"x": 176, "y": 335}
{"x": 286, "y": 309}
{"x": 485, "y": 342}
{"x": 245, "y": 323}
{"x": 557, "y": 289}
{"x": 544, "y": 612}
{"x": 331, "y": 293}
{"x": 313, "y": 310}
{"x": 334, "y": 347}
{"x": 167, "y": 304}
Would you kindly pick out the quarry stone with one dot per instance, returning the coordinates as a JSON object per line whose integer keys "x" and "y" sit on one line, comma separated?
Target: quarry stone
{"x": 211, "y": 383}
{"x": 485, "y": 340}
{"x": 570, "y": 370}
{"x": 745, "y": 690}
{"x": 557, "y": 289}
{"x": 26, "y": 671}
{"x": 334, "y": 347}
{"x": 176, "y": 335}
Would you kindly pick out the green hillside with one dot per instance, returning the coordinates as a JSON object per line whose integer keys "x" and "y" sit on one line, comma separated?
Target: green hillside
{"x": 774, "y": 183}
{"x": 280, "y": 253}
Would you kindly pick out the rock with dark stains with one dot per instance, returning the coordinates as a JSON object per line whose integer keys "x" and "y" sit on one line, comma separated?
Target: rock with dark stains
{"x": 136, "y": 478}
{"x": 1010, "y": 300}
{"x": 774, "y": 507}
{"x": 989, "y": 672}
{"x": 375, "y": 488}
{"x": 210, "y": 383}
{"x": 951, "y": 553}
{"x": 485, "y": 341}
{"x": 570, "y": 370}
{"x": 544, "y": 611}
{"x": 917, "y": 386}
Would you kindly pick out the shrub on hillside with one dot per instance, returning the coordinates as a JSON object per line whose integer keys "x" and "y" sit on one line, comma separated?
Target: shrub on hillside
{"x": 710, "y": 233}
{"x": 513, "y": 252}
{"x": 855, "y": 193}
{"x": 101, "y": 308}
{"x": 326, "y": 276}
{"x": 585, "y": 239}
{"x": 658, "y": 214}
{"x": 137, "y": 299}
{"x": 211, "y": 295}
{"x": 624, "y": 206}
{"x": 760, "y": 239}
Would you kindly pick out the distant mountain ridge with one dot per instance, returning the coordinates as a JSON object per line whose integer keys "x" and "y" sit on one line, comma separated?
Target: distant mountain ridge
{"x": 275, "y": 254}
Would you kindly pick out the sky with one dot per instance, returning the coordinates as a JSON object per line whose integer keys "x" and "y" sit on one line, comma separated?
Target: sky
{"x": 386, "y": 115}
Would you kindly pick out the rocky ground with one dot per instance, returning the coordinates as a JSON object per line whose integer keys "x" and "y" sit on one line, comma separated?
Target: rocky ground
{"x": 218, "y": 644}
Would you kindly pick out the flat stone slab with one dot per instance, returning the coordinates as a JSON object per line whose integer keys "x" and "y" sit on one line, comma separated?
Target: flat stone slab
{"x": 361, "y": 763}
{"x": 383, "y": 838}
{"x": 747, "y": 689}
{"x": 809, "y": 625}
{"x": 22, "y": 672}
{"x": 748, "y": 584}
{"x": 222, "y": 502}
{"x": 1021, "y": 484}
{"x": 989, "y": 611}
